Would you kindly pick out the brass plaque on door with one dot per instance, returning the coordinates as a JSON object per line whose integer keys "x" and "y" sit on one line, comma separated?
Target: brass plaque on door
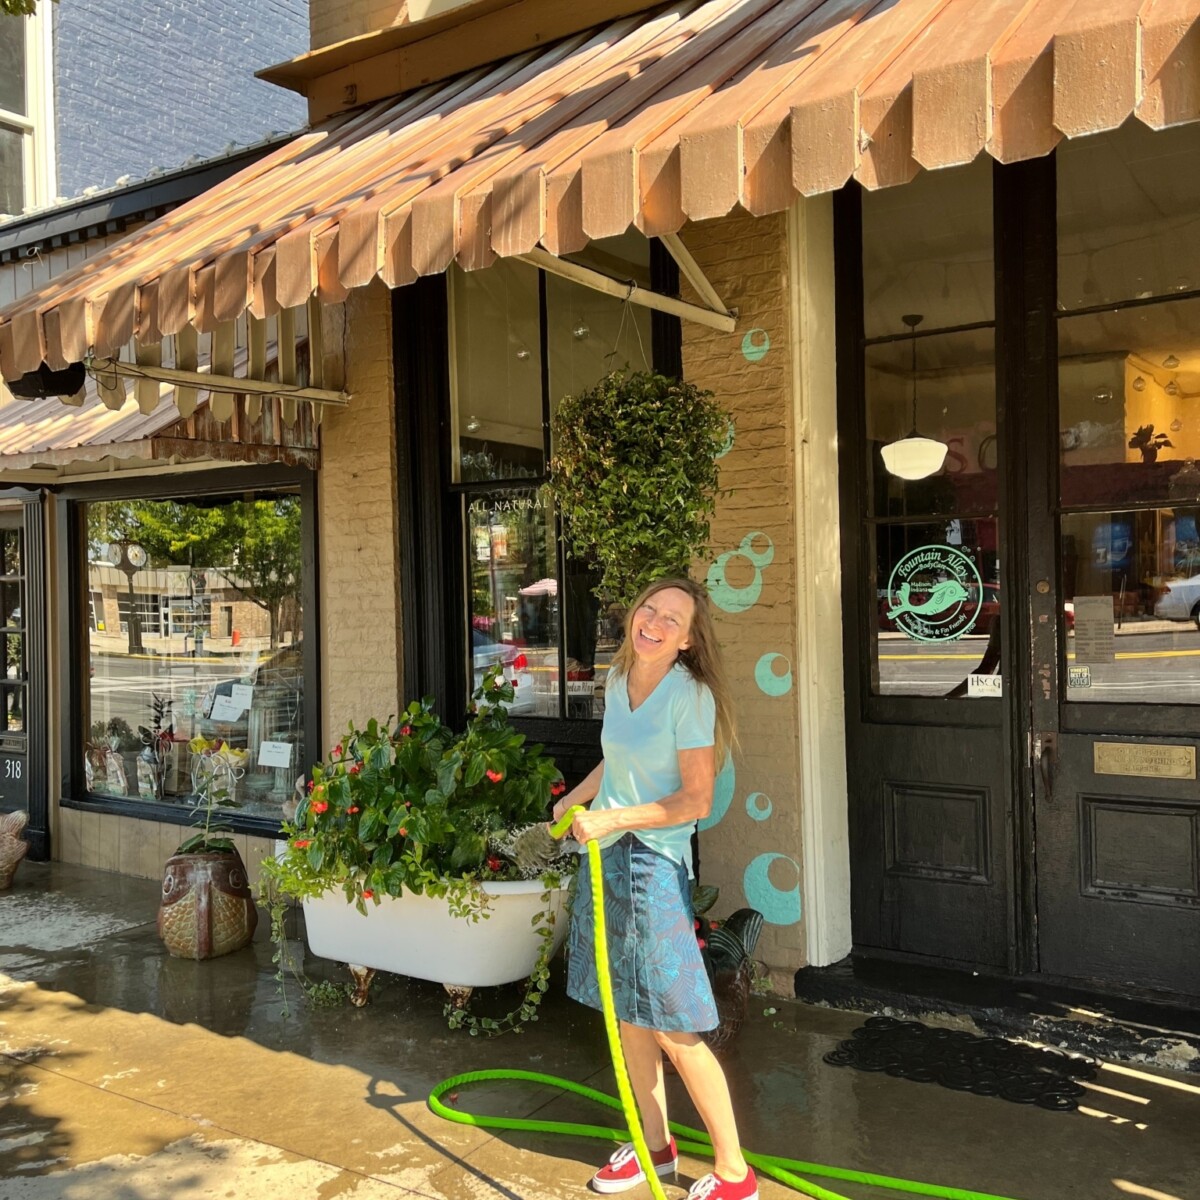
{"x": 1144, "y": 759}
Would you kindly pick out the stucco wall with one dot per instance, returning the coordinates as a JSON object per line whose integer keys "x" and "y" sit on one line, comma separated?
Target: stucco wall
{"x": 145, "y": 86}
{"x": 751, "y": 845}
{"x": 361, "y": 663}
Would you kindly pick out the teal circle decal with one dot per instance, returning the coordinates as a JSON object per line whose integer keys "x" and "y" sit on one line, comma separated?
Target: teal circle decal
{"x": 769, "y": 681}
{"x": 777, "y": 905}
{"x": 722, "y": 796}
{"x": 934, "y": 594}
{"x": 733, "y": 599}
{"x": 759, "y": 806}
{"x": 755, "y": 345}
{"x": 727, "y": 444}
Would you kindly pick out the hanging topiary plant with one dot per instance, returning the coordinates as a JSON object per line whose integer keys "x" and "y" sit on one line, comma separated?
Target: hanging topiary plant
{"x": 634, "y": 476}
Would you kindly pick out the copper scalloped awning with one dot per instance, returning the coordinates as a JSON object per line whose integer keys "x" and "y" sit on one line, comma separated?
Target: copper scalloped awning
{"x": 678, "y": 114}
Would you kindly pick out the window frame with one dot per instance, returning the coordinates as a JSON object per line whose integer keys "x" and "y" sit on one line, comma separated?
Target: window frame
{"x": 36, "y": 125}
{"x": 434, "y": 599}
{"x": 73, "y": 617}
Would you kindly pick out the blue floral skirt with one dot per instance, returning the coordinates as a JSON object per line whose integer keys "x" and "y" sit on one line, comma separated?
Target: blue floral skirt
{"x": 658, "y": 976}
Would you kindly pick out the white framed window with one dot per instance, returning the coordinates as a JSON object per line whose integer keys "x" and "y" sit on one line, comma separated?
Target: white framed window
{"x": 27, "y": 176}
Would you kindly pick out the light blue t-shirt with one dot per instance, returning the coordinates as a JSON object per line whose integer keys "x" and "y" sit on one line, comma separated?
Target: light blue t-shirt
{"x": 641, "y": 762}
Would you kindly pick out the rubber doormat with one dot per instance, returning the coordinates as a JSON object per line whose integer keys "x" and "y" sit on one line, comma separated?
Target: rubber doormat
{"x": 966, "y": 1062}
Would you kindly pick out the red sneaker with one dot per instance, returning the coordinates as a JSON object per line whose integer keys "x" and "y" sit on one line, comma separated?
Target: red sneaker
{"x": 623, "y": 1171}
{"x": 713, "y": 1187}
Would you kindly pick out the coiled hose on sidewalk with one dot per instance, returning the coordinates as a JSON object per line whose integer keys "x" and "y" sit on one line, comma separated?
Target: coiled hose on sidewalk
{"x": 692, "y": 1141}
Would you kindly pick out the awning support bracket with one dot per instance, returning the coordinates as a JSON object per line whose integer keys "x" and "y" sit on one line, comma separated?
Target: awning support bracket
{"x": 693, "y": 273}
{"x": 715, "y": 317}
{"x": 209, "y": 382}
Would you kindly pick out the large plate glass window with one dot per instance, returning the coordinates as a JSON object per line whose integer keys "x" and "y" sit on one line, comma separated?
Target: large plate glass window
{"x": 26, "y": 174}
{"x": 931, "y": 505}
{"x": 194, "y": 635}
{"x": 1129, "y": 404}
{"x": 520, "y": 341}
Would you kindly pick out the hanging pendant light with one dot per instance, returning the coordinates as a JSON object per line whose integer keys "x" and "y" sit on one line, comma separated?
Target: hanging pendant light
{"x": 914, "y": 456}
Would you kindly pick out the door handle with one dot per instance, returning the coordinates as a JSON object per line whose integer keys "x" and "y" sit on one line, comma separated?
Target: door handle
{"x": 1045, "y": 747}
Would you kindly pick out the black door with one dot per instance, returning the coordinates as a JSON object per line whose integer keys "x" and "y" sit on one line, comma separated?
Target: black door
{"x": 1115, "y": 561}
{"x": 1023, "y": 624}
{"x": 928, "y": 728}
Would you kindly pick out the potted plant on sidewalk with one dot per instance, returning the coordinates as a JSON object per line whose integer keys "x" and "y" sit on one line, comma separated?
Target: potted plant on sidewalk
{"x": 424, "y": 852}
{"x": 207, "y": 908}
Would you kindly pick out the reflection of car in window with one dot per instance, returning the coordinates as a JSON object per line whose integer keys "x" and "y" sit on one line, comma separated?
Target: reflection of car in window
{"x": 486, "y": 653}
{"x": 1179, "y": 600}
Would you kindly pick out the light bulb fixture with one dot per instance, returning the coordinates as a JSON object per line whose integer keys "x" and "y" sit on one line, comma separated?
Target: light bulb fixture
{"x": 1170, "y": 362}
{"x": 1139, "y": 384}
{"x": 523, "y": 353}
{"x": 914, "y": 456}
{"x": 580, "y": 331}
{"x": 1172, "y": 388}
{"x": 472, "y": 423}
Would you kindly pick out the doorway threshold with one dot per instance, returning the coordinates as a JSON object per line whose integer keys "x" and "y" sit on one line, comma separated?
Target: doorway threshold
{"x": 1151, "y": 1029}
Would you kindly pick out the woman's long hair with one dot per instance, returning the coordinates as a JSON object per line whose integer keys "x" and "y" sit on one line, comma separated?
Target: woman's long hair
{"x": 702, "y": 657}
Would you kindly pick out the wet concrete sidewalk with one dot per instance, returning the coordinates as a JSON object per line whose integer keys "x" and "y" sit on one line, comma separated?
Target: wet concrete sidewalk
{"x": 129, "y": 1075}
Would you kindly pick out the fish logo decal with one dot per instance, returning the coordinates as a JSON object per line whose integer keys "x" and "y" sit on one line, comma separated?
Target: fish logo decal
{"x": 933, "y": 594}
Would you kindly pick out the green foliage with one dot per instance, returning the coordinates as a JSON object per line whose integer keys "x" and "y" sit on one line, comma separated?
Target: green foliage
{"x": 18, "y": 8}
{"x": 415, "y": 809}
{"x": 635, "y": 476}
{"x": 419, "y": 808}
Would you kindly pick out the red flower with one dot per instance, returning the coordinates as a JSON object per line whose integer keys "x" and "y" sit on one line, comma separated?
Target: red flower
{"x": 494, "y": 864}
{"x": 520, "y": 662}
{"x": 514, "y": 683}
{"x": 312, "y": 783}
{"x": 701, "y": 943}
{"x": 354, "y": 770}
{"x": 405, "y": 730}
{"x": 696, "y": 923}
{"x": 402, "y": 831}
{"x": 319, "y": 806}
{"x": 337, "y": 750}
{"x": 367, "y": 893}
{"x": 352, "y": 808}
{"x": 557, "y": 789}
{"x": 408, "y": 804}
{"x": 300, "y": 843}
{"x": 495, "y": 776}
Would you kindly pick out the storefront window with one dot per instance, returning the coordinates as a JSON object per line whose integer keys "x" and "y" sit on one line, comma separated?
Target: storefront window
{"x": 195, "y": 640}
{"x": 929, "y": 376}
{"x": 12, "y": 630}
{"x": 521, "y": 340}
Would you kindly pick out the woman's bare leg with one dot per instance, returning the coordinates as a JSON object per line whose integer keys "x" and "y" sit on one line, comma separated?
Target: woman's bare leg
{"x": 705, "y": 1082}
{"x": 643, "y": 1059}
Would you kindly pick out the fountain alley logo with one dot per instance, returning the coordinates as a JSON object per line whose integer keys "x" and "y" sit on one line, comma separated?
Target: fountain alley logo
{"x": 934, "y": 594}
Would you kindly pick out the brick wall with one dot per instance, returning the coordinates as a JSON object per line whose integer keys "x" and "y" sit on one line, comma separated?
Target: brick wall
{"x": 359, "y": 575}
{"x": 753, "y": 851}
{"x": 140, "y": 86}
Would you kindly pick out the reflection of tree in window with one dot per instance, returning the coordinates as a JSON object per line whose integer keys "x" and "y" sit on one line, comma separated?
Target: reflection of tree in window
{"x": 254, "y": 544}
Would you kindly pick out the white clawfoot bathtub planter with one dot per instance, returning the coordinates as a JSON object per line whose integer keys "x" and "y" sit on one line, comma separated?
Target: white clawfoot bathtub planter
{"x": 417, "y": 936}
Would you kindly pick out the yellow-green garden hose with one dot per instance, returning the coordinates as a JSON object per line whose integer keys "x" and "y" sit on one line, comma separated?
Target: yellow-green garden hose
{"x": 692, "y": 1141}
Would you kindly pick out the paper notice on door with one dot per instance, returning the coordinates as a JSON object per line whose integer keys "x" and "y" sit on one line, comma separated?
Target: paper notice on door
{"x": 985, "y": 685}
{"x": 225, "y": 708}
{"x": 275, "y": 754}
{"x": 243, "y": 694}
{"x": 1094, "y": 629}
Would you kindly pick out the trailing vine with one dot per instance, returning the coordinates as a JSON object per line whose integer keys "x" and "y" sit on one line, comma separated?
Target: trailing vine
{"x": 536, "y": 985}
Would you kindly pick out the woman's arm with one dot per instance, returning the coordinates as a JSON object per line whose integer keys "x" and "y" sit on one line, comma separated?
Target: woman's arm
{"x": 692, "y": 802}
{"x": 582, "y": 793}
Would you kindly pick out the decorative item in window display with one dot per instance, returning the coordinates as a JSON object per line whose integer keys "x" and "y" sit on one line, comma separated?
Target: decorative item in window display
{"x": 425, "y": 852}
{"x": 157, "y": 742}
{"x": 1149, "y": 443}
{"x": 207, "y": 909}
{"x": 914, "y": 456}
